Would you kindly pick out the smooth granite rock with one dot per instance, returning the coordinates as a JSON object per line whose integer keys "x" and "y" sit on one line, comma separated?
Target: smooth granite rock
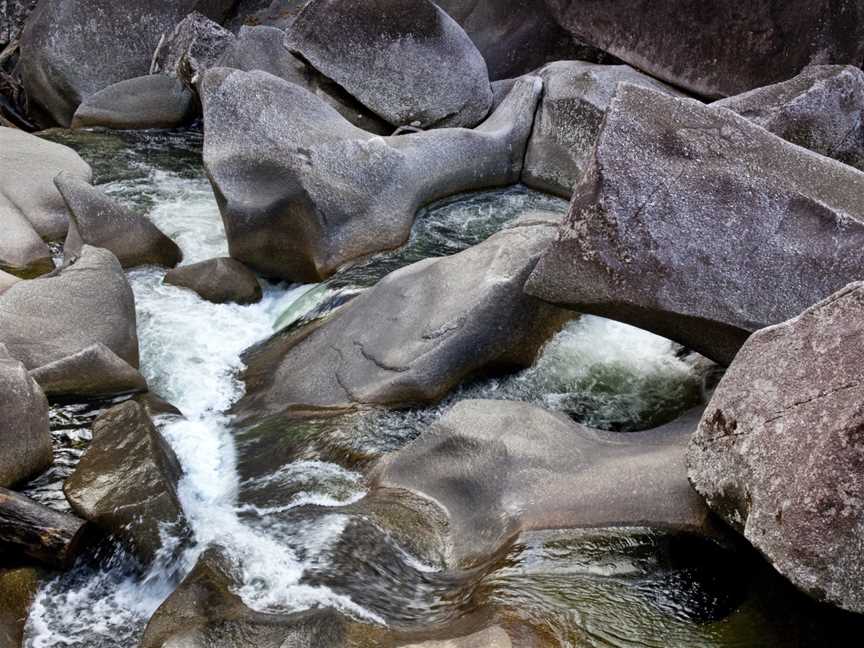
{"x": 220, "y": 281}
{"x": 151, "y": 101}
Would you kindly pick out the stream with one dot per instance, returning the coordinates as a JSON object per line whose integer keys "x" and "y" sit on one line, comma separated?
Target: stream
{"x": 279, "y": 496}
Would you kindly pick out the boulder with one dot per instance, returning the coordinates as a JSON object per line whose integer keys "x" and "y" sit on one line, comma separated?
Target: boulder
{"x": 126, "y": 481}
{"x": 24, "y": 435}
{"x": 100, "y": 221}
{"x": 28, "y": 165}
{"x": 204, "y": 612}
{"x": 263, "y": 48}
{"x": 576, "y": 96}
{"x": 412, "y": 338}
{"x": 71, "y": 49}
{"x": 30, "y": 531}
{"x": 702, "y": 227}
{"x": 23, "y": 253}
{"x": 406, "y": 60}
{"x": 195, "y": 45}
{"x": 92, "y": 373}
{"x": 779, "y": 454}
{"x": 7, "y": 281}
{"x": 498, "y": 468}
{"x": 18, "y": 588}
{"x": 718, "y": 48}
{"x": 218, "y": 280}
{"x": 821, "y": 109}
{"x": 50, "y": 318}
{"x": 322, "y": 192}
{"x": 152, "y": 101}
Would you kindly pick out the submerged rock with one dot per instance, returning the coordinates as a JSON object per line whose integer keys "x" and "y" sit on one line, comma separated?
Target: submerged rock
{"x": 100, "y": 221}
{"x": 499, "y": 468}
{"x": 126, "y": 482}
{"x": 25, "y": 439}
{"x": 576, "y": 96}
{"x": 405, "y": 60}
{"x": 218, "y": 280}
{"x": 152, "y": 101}
{"x": 28, "y": 165}
{"x": 723, "y": 48}
{"x": 779, "y": 453}
{"x": 821, "y": 109}
{"x": 322, "y": 192}
{"x": 93, "y": 373}
{"x": 494, "y": 637}
{"x": 50, "y": 318}
{"x": 414, "y": 336}
{"x": 702, "y": 227}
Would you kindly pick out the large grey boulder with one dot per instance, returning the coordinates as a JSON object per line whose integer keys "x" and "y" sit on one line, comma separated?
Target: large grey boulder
{"x": 779, "y": 453}
{"x": 719, "y": 48}
{"x": 322, "y": 192}
{"x": 126, "y": 481}
{"x": 576, "y": 96}
{"x": 414, "y": 336}
{"x": 28, "y": 165}
{"x": 151, "y": 101}
{"x": 24, "y": 436}
{"x": 405, "y": 60}
{"x": 700, "y": 226}
{"x": 71, "y": 49}
{"x": 50, "y": 318}
{"x": 100, "y": 221}
{"x": 23, "y": 253}
{"x": 821, "y": 109}
{"x": 92, "y": 373}
{"x": 220, "y": 281}
{"x": 499, "y": 468}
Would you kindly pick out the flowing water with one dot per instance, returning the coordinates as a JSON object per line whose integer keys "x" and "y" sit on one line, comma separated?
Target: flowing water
{"x": 280, "y": 497}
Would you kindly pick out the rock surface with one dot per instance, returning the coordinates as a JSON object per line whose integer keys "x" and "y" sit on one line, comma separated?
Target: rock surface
{"x": 821, "y": 109}
{"x": 13, "y": 13}
{"x": 152, "y": 101}
{"x": 126, "y": 481}
{"x": 720, "y": 48}
{"x": 50, "y": 318}
{"x": 218, "y": 280}
{"x": 7, "y": 281}
{"x": 498, "y": 468}
{"x": 28, "y": 165}
{"x": 414, "y": 336}
{"x": 323, "y": 192}
{"x": 494, "y": 637}
{"x": 698, "y": 225}
{"x": 100, "y": 221}
{"x": 405, "y": 60}
{"x": 779, "y": 453}
{"x": 93, "y": 373}
{"x": 17, "y": 589}
{"x": 576, "y": 96}
{"x": 24, "y": 435}
{"x": 195, "y": 45}
{"x": 23, "y": 253}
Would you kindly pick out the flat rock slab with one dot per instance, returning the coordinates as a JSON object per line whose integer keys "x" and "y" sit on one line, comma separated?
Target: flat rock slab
{"x": 153, "y": 101}
{"x": 702, "y": 227}
{"x": 219, "y": 281}
{"x": 405, "y": 60}
{"x": 498, "y": 468}
{"x": 779, "y": 453}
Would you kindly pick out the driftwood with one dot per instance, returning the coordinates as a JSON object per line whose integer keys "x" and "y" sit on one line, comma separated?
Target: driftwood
{"x": 29, "y": 529}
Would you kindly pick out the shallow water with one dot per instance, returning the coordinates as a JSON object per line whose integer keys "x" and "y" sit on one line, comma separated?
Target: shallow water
{"x": 279, "y": 497}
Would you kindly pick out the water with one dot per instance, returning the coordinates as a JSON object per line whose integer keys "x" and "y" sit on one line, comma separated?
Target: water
{"x": 285, "y": 498}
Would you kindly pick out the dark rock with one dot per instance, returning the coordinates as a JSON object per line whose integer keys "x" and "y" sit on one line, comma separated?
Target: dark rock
{"x": 24, "y": 436}
{"x": 126, "y": 482}
{"x": 499, "y": 468}
{"x": 218, "y": 280}
{"x": 50, "y": 318}
{"x": 405, "y": 60}
{"x": 17, "y": 590}
{"x": 779, "y": 453}
{"x": 71, "y": 49}
{"x": 702, "y": 227}
{"x": 153, "y": 101}
{"x": 575, "y": 98}
{"x": 93, "y": 373}
{"x": 28, "y": 165}
{"x": 821, "y": 109}
{"x": 13, "y": 13}
{"x": 195, "y": 45}
{"x": 322, "y": 192}
{"x": 719, "y": 48}
{"x": 100, "y": 221}
{"x": 203, "y": 612}
{"x": 414, "y": 336}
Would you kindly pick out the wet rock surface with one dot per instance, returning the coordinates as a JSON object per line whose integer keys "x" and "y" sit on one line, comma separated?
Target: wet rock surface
{"x": 218, "y": 280}
{"x": 152, "y": 101}
{"x": 697, "y": 225}
{"x": 779, "y": 453}
{"x": 17, "y": 589}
